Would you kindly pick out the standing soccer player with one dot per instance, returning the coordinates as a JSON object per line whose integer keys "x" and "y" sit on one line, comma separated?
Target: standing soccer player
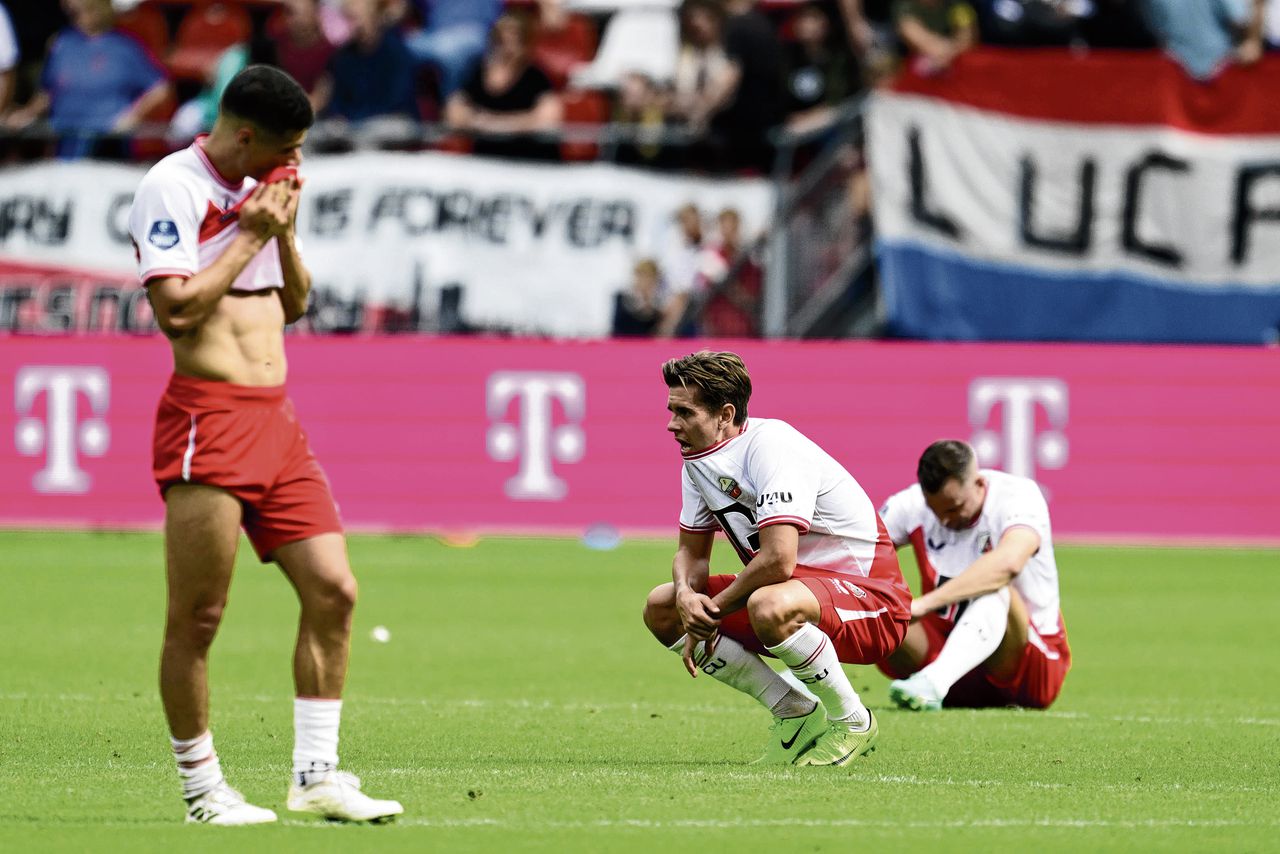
{"x": 820, "y": 582}
{"x": 987, "y": 628}
{"x": 213, "y": 226}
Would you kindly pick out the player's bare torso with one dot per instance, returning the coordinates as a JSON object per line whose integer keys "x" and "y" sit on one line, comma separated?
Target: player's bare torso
{"x": 241, "y": 342}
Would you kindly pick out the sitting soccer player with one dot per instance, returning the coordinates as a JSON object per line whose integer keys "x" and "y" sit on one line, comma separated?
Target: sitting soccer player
{"x": 987, "y": 629}
{"x": 820, "y": 584}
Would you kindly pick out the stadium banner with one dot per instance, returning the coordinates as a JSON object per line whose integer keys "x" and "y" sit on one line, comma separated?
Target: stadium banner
{"x": 1045, "y": 195}
{"x": 393, "y": 241}
{"x": 462, "y": 435}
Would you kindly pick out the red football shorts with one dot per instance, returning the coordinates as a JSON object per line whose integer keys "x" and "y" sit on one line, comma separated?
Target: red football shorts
{"x": 866, "y": 618}
{"x": 246, "y": 440}
{"x": 1039, "y": 677}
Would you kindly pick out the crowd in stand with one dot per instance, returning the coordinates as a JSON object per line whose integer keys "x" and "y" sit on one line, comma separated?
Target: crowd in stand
{"x": 702, "y": 84}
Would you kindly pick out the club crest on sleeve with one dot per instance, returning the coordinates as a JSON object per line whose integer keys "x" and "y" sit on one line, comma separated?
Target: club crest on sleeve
{"x": 730, "y": 487}
{"x": 163, "y": 234}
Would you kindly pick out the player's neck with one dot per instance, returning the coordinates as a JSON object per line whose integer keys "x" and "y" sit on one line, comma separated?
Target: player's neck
{"x": 222, "y": 156}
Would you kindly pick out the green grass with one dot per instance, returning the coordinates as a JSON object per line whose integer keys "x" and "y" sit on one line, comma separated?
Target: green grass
{"x": 520, "y": 705}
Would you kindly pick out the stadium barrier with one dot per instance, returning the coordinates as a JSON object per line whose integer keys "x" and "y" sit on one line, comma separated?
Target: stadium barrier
{"x": 1045, "y": 195}
{"x": 459, "y": 435}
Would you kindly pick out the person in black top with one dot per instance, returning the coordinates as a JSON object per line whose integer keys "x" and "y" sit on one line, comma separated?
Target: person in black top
{"x": 756, "y": 105}
{"x": 507, "y": 100}
{"x": 638, "y": 310}
{"x": 820, "y": 72}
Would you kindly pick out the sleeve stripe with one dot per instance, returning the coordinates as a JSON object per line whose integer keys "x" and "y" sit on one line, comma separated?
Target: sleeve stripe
{"x": 798, "y": 521}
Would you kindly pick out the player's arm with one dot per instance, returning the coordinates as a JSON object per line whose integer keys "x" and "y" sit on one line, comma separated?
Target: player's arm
{"x": 182, "y": 304}
{"x": 297, "y": 279}
{"x": 689, "y": 571}
{"x": 987, "y": 574}
{"x": 773, "y": 564}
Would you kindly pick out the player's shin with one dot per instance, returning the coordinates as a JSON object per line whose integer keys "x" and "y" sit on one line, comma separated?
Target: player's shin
{"x": 812, "y": 657}
{"x": 975, "y": 637}
{"x": 739, "y": 668}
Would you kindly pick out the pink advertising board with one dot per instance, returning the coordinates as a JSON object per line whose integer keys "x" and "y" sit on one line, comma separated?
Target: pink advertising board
{"x": 471, "y": 435}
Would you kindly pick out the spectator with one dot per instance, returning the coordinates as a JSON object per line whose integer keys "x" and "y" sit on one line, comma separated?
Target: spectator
{"x": 96, "y": 81}
{"x": 8, "y": 62}
{"x": 640, "y": 108}
{"x": 34, "y": 25}
{"x": 935, "y": 32}
{"x": 703, "y": 76}
{"x": 369, "y": 85}
{"x": 637, "y": 311}
{"x": 565, "y": 41}
{"x": 680, "y": 259}
{"x": 820, "y": 74}
{"x": 1204, "y": 36}
{"x": 453, "y": 37}
{"x": 733, "y": 283}
{"x": 508, "y": 100}
{"x": 197, "y": 115}
{"x": 754, "y": 99}
{"x": 302, "y": 48}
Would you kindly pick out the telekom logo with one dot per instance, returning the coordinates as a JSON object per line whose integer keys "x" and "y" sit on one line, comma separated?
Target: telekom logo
{"x": 1016, "y": 447}
{"x": 532, "y": 439}
{"x": 62, "y": 435}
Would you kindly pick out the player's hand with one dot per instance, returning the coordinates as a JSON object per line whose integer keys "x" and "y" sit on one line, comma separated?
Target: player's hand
{"x": 697, "y": 652}
{"x": 918, "y": 609}
{"x": 266, "y": 212}
{"x": 699, "y": 615}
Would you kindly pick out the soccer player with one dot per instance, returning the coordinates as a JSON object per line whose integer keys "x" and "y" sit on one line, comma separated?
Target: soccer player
{"x": 820, "y": 582}
{"x": 218, "y": 254}
{"x": 987, "y": 629}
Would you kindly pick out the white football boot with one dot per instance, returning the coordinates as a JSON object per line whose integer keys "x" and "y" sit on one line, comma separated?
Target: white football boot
{"x": 336, "y": 795}
{"x": 223, "y": 805}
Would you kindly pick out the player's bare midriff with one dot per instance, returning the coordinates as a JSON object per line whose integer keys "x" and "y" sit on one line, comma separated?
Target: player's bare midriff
{"x": 241, "y": 342}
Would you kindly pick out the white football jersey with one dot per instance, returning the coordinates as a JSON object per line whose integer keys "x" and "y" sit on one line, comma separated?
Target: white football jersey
{"x": 772, "y": 474}
{"x": 942, "y": 553}
{"x": 185, "y": 215}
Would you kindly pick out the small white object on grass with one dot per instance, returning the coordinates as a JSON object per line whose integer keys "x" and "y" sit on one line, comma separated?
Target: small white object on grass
{"x": 381, "y": 634}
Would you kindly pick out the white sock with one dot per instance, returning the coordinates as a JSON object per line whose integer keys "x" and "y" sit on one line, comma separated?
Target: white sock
{"x": 975, "y": 637}
{"x": 812, "y": 657}
{"x": 315, "y": 736}
{"x": 733, "y": 665}
{"x": 198, "y": 765}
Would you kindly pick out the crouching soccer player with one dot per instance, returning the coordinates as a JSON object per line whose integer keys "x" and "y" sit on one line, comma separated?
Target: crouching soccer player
{"x": 987, "y": 628}
{"x": 820, "y": 582}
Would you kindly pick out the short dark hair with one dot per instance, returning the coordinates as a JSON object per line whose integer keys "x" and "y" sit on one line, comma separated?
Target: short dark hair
{"x": 942, "y": 461}
{"x": 719, "y": 377}
{"x": 269, "y": 98}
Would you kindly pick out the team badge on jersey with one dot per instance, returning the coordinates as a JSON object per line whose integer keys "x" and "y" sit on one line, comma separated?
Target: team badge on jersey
{"x": 163, "y": 234}
{"x": 730, "y": 487}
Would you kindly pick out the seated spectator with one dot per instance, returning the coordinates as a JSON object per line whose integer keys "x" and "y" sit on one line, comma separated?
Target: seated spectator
{"x": 508, "y": 100}
{"x": 681, "y": 256}
{"x": 564, "y": 41}
{"x": 637, "y": 311}
{"x": 732, "y": 284}
{"x": 368, "y": 89}
{"x": 703, "y": 78}
{"x": 640, "y": 110}
{"x": 935, "y": 32}
{"x": 96, "y": 81}
{"x": 452, "y": 37}
{"x": 820, "y": 73}
{"x": 1204, "y": 36}
{"x": 8, "y": 62}
{"x": 302, "y": 48}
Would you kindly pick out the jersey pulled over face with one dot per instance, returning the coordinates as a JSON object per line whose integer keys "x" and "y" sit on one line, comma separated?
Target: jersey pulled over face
{"x": 943, "y": 553}
{"x": 772, "y": 474}
{"x": 184, "y": 216}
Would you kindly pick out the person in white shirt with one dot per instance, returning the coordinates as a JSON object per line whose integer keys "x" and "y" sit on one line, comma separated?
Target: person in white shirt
{"x": 987, "y": 629}
{"x": 820, "y": 583}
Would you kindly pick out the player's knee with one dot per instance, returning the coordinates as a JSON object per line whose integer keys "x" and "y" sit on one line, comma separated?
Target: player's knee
{"x": 660, "y": 606}
{"x": 341, "y": 595}
{"x": 770, "y": 607}
{"x": 196, "y": 626}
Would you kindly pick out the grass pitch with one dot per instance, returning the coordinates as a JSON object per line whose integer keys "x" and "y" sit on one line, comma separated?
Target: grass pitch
{"x": 520, "y": 705}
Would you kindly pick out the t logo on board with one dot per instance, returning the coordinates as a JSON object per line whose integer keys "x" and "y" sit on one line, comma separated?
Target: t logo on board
{"x": 62, "y": 435}
{"x": 532, "y": 439}
{"x": 1016, "y": 447}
